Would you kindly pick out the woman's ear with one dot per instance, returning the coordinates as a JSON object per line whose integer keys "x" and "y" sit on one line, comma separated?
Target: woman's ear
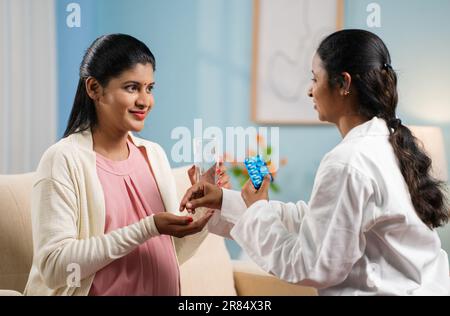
{"x": 93, "y": 88}
{"x": 346, "y": 83}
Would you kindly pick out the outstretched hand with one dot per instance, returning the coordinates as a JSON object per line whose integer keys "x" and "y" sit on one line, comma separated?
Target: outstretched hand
{"x": 180, "y": 226}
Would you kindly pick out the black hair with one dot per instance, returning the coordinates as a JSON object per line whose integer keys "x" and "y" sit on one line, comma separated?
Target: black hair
{"x": 107, "y": 58}
{"x": 366, "y": 58}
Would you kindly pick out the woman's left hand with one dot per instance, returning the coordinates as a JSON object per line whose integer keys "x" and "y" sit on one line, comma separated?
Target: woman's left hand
{"x": 218, "y": 172}
{"x": 251, "y": 195}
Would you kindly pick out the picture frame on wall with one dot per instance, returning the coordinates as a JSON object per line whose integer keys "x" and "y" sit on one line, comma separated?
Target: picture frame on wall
{"x": 286, "y": 33}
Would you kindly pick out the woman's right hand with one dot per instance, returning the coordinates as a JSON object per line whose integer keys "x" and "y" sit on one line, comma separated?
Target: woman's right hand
{"x": 180, "y": 226}
{"x": 202, "y": 194}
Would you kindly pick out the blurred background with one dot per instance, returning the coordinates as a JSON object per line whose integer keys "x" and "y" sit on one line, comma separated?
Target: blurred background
{"x": 203, "y": 52}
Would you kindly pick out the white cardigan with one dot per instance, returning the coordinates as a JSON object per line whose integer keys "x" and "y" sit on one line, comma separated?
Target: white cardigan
{"x": 68, "y": 217}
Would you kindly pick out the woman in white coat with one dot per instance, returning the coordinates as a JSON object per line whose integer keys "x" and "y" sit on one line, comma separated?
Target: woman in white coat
{"x": 369, "y": 227}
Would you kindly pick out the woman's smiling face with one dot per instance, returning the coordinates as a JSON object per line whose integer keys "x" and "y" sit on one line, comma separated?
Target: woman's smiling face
{"x": 124, "y": 103}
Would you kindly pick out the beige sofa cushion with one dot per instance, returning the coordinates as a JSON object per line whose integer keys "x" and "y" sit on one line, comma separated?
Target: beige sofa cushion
{"x": 209, "y": 272}
{"x": 16, "y": 247}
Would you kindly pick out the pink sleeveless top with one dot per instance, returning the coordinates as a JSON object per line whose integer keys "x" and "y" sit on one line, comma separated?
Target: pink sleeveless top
{"x": 131, "y": 194}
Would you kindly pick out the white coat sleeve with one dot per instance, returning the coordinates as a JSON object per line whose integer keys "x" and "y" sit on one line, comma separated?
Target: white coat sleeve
{"x": 233, "y": 206}
{"x": 324, "y": 244}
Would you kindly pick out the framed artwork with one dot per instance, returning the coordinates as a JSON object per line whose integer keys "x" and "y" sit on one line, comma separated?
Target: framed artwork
{"x": 286, "y": 34}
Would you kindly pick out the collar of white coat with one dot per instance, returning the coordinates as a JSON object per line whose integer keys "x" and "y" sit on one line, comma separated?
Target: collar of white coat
{"x": 374, "y": 127}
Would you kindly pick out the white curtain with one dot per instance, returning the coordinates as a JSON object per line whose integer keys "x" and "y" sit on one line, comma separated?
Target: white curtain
{"x": 28, "y": 114}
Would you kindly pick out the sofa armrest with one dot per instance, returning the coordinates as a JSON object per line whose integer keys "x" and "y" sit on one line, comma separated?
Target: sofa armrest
{"x": 10, "y": 293}
{"x": 250, "y": 280}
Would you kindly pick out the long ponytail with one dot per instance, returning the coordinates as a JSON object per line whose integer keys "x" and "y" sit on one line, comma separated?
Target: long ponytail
{"x": 83, "y": 114}
{"x": 427, "y": 193}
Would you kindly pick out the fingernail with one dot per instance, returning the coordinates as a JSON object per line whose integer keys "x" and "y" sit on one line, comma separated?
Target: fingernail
{"x": 190, "y": 219}
{"x": 189, "y": 205}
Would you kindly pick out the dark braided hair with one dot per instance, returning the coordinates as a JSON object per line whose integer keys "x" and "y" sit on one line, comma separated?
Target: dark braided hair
{"x": 366, "y": 58}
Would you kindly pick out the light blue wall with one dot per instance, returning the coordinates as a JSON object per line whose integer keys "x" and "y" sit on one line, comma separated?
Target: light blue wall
{"x": 203, "y": 52}
{"x": 71, "y": 44}
{"x": 418, "y": 35}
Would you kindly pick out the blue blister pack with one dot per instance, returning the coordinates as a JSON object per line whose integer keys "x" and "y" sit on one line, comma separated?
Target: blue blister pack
{"x": 257, "y": 169}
